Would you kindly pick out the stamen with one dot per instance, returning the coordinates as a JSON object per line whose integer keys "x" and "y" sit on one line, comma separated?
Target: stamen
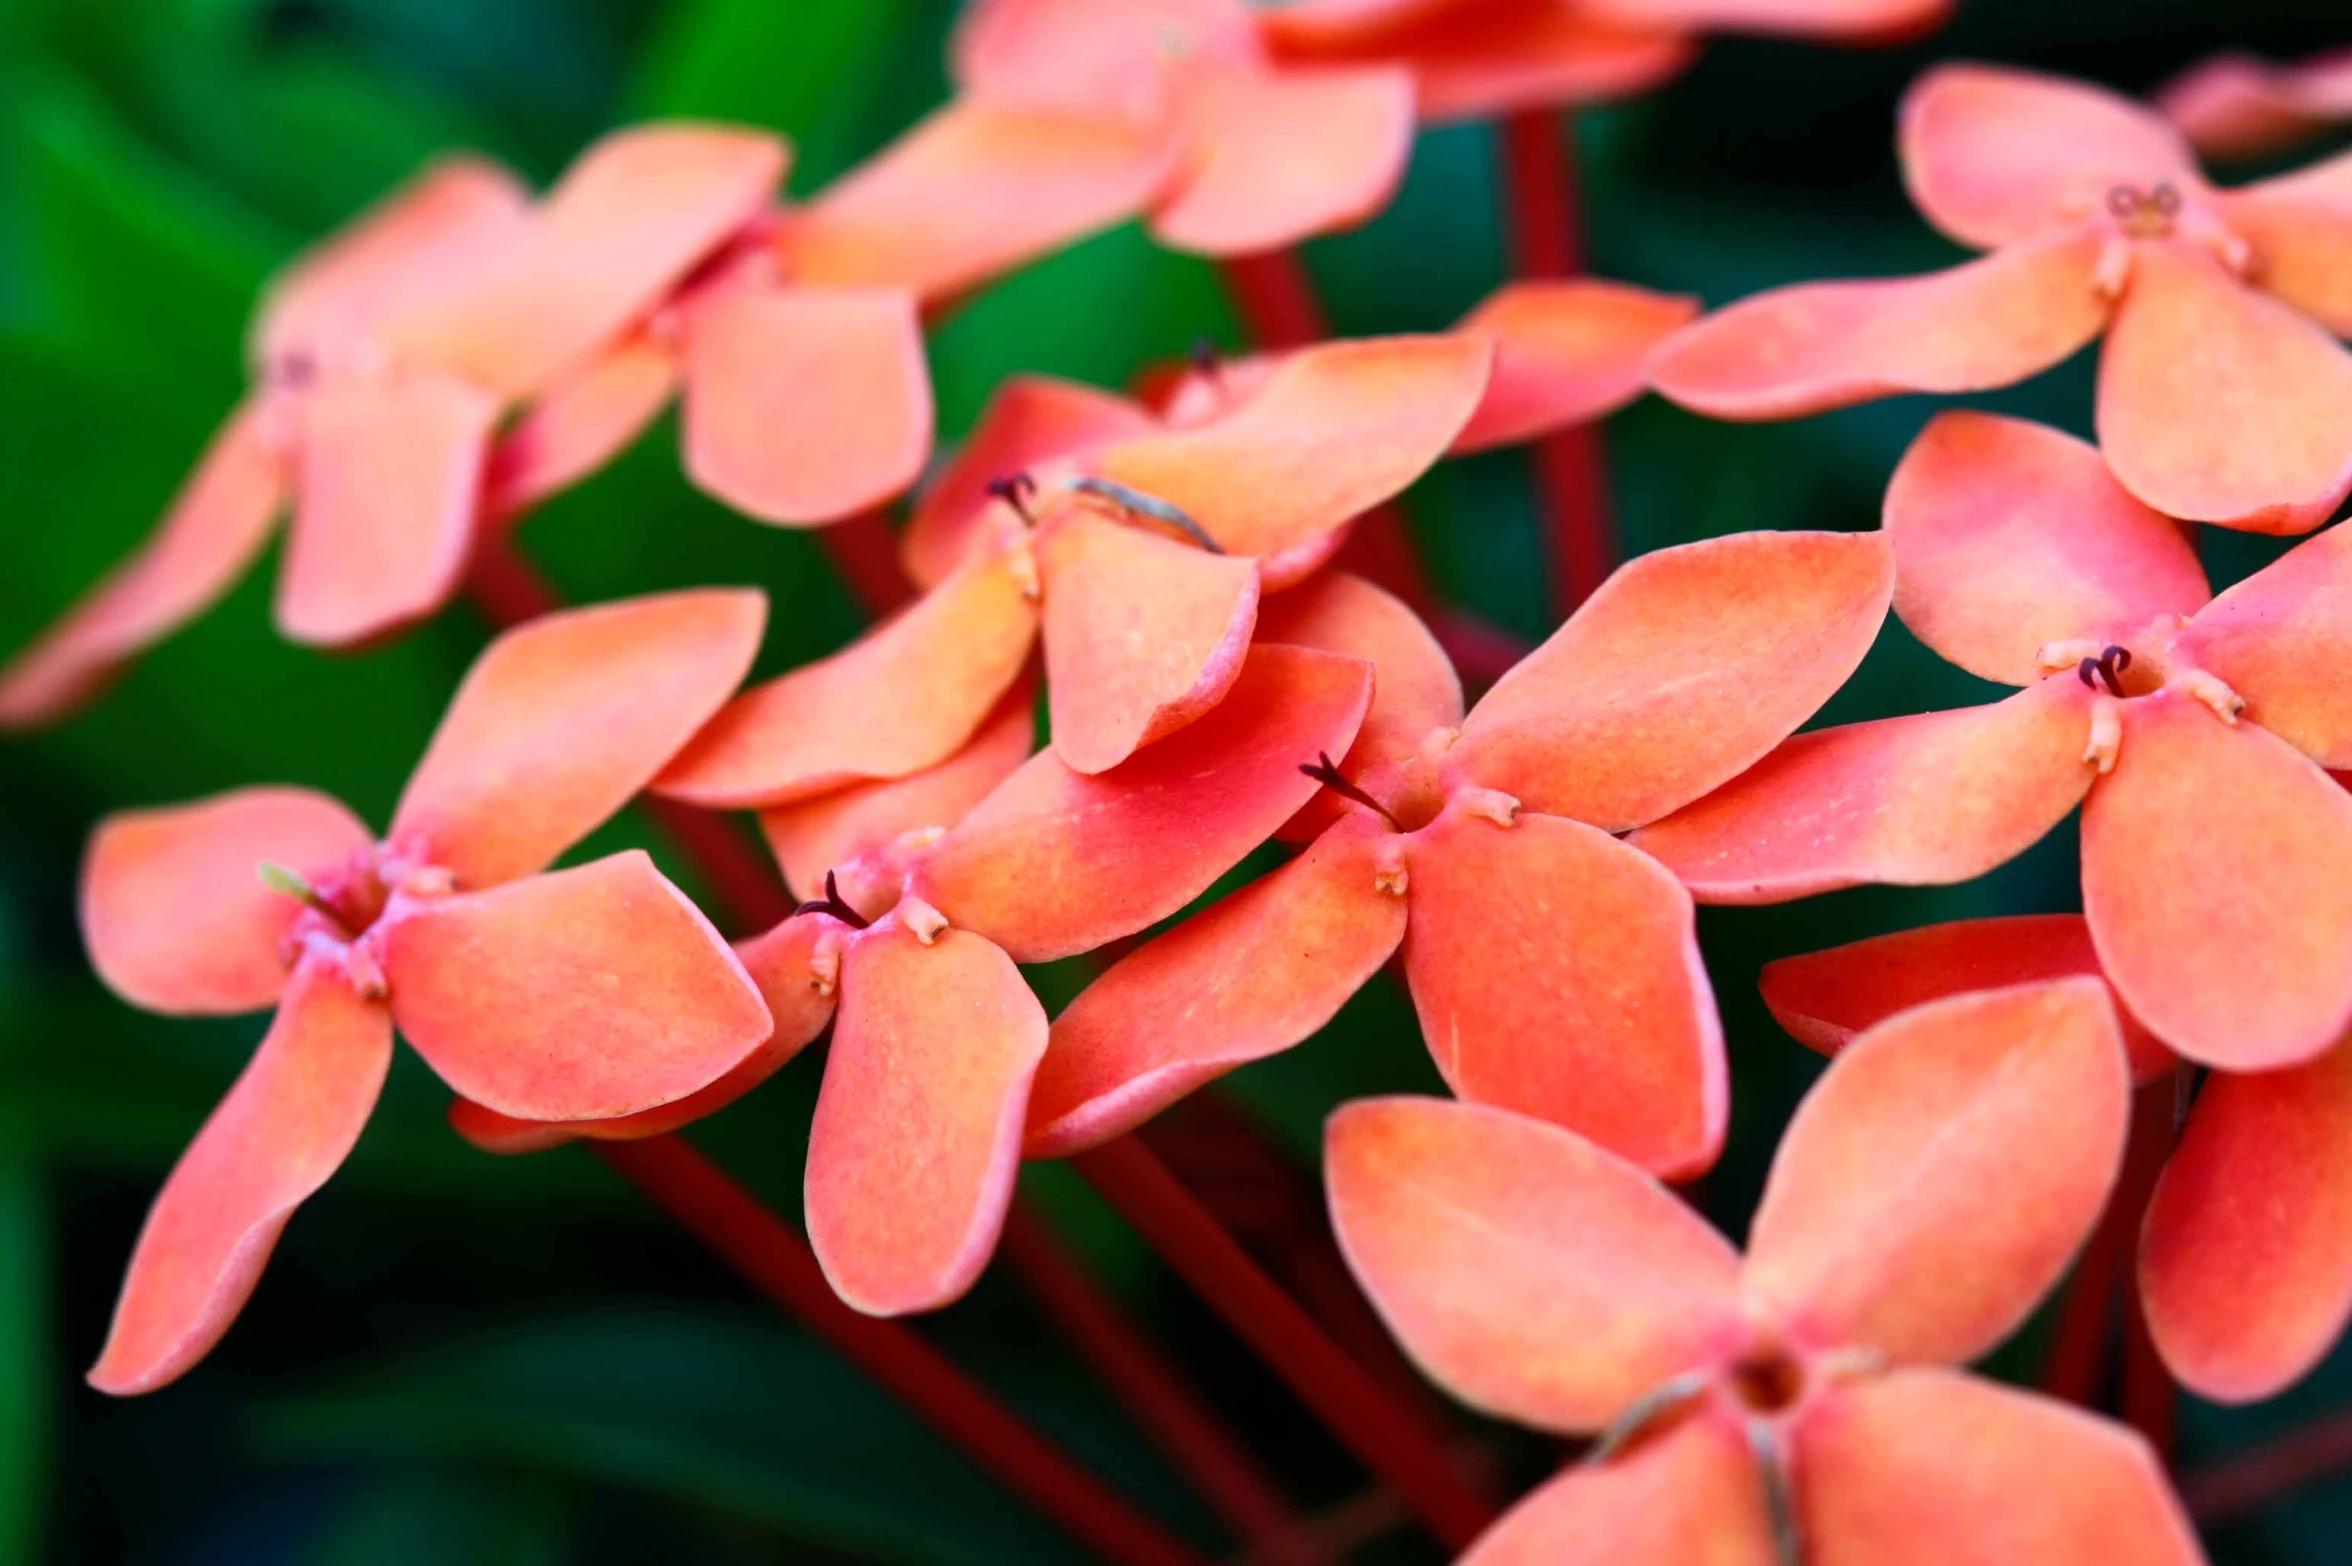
{"x": 2107, "y": 668}
{"x": 1326, "y": 772}
{"x": 280, "y": 879}
{"x": 2123, "y": 202}
{"x": 1151, "y": 506}
{"x": 833, "y": 904}
{"x": 2165, "y": 199}
{"x": 1014, "y": 490}
{"x": 1780, "y": 1501}
{"x": 1208, "y": 360}
{"x": 1644, "y": 1412}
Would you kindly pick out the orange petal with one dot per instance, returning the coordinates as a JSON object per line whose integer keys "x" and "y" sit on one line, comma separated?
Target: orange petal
{"x": 806, "y": 405}
{"x": 629, "y": 219}
{"x": 972, "y": 192}
{"x": 1685, "y": 667}
{"x": 284, "y": 1128}
{"x": 576, "y": 995}
{"x": 2238, "y": 106}
{"x": 1557, "y": 973}
{"x": 1989, "y": 323}
{"x": 2246, "y": 1259}
{"x": 2300, "y": 228}
{"x": 1247, "y": 978}
{"x": 391, "y": 487}
{"x": 1690, "y": 1497}
{"x": 2281, "y": 639}
{"x": 1123, "y": 59}
{"x": 1917, "y": 801}
{"x": 2009, "y": 535}
{"x": 1936, "y": 1468}
{"x": 562, "y": 721}
{"x": 1142, "y": 634}
{"x": 1280, "y": 156}
{"x": 1029, "y": 420}
{"x": 216, "y": 525}
{"x": 1993, "y": 154}
{"x": 2217, "y": 876}
{"x": 582, "y": 422}
{"x": 1940, "y": 1176}
{"x": 1336, "y": 430}
{"x": 1538, "y": 1277}
{"x": 830, "y": 830}
{"x": 1825, "y": 998}
{"x": 1567, "y": 350}
{"x": 901, "y": 698}
{"x": 917, "y": 1134}
{"x": 2219, "y": 404}
{"x": 1055, "y": 862}
{"x": 174, "y": 909}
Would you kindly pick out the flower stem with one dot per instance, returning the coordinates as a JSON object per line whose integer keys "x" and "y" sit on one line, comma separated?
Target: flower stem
{"x": 776, "y": 1260}
{"x": 865, "y": 551}
{"x": 2251, "y": 1480}
{"x": 2149, "y": 1401}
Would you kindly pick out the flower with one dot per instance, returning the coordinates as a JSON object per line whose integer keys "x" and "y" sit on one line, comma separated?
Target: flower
{"x": 2242, "y": 106}
{"x": 1794, "y": 1404}
{"x": 1555, "y": 970}
{"x": 910, "y": 955}
{"x": 2220, "y": 379}
{"x": 383, "y": 360}
{"x": 589, "y": 992}
{"x": 2217, "y": 855}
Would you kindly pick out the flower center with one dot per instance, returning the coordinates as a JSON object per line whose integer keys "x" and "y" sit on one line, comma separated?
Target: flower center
{"x": 2144, "y": 213}
{"x": 1767, "y": 1380}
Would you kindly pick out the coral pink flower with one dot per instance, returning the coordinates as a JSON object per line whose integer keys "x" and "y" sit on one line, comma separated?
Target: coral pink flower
{"x": 2220, "y": 382}
{"x": 910, "y": 955}
{"x": 581, "y": 993}
{"x": 2243, "y": 106}
{"x": 383, "y": 361}
{"x": 2217, "y": 855}
{"x": 2246, "y": 1255}
{"x": 1793, "y": 1405}
{"x": 1555, "y": 970}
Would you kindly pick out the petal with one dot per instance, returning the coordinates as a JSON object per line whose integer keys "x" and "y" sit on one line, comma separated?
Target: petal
{"x": 2009, "y": 535}
{"x": 1917, "y": 801}
{"x": 2238, "y": 106}
{"x": 175, "y": 912}
{"x": 1244, "y": 979}
{"x": 576, "y": 995}
{"x": 562, "y": 721}
{"x": 217, "y": 524}
{"x": 1935, "y": 1468}
{"x": 1111, "y": 59}
{"x": 2217, "y": 876}
{"x": 1055, "y": 862}
{"x": 2282, "y": 639}
{"x": 284, "y": 1128}
{"x": 582, "y": 422}
{"x": 2246, "y": 1259}
{"x": 1825, "y": 998}
{"x": 1991, "y": 322}
{"x": 1940, "y": 1176}
{"x": 1142, "y": 634}
{"x": 2300, "y": 228}
{"x": 1994, "y": 154}
{"x": 901, "y": 698}
{"x": 2219, "y": 404}
{"x": 1029, "y": 420}
{"x": 1686, "y": 666}
{"x": 1280, "y": 156}
{"x": 1567, "y": 350}
{"x": 760, "y": 436}
{"x": 830, "y": 830}
{"x": 1852, "y": 21}
{"x": 1557, "y": 973}
{"x": 391, "y": 486}
{"x": 1537, "y": 1277}
{"x": 1689, "y": 1497}
{"x": 970, "y": 193}
{"x": 917, "y": 1134}
{"x": 1337, "y": 429}
{"x": 629, "y": 219}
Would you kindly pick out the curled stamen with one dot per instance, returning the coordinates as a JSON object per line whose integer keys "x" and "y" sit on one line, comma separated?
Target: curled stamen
{"x": 1780, "y": 1501}
{"x": 1645, "y": 1411}
{"x": 2106, "y": 669}
{"x": 2123, "y": 202}
{"x": 1014, "y": 490}
{"x": 1151, "y": 506}
{"x": 1324, "y": 771}
{"x": 2164, "y": 199}
{"x": 832, "y": 903}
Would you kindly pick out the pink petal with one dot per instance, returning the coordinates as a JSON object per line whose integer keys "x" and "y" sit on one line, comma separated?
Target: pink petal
{"x": 2300, "y": 228}
{"x": 1279, "y": 156}
{"x": 1875, "y": 22}
{"x": 1124, "y": 59}
{"x": 1567, "y": 350}
{"x": 2239, "y": 106}
{"x": 2282, "y": 639}
{"x": 1690, "y": 1497}
{"x": 581, "y": 423}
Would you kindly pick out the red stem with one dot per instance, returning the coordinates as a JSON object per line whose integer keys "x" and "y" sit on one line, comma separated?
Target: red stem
{"x": 2150, "y": 1401}
{"x": 1277, "y": 300}
{"x": 775, "y": 1259}
{"x": 2251, "y": 1480}
{"x": 865, "y": 551}
{"x": 1547, "y": 240}
{"x": 1294, "y": 1347}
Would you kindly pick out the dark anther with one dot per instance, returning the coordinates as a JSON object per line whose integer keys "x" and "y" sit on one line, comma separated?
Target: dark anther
{"x": 1014, "y": 490}
{"x": 831, "y": 903}
{"x": 2123, "y": 201}
{"x": 2106, "y": 669}
{"x": 2164, "y": 199}
{"x": 1207, "y": 358}
{"x": 1152, "y": 506}
{"x": 1324, "y": 771}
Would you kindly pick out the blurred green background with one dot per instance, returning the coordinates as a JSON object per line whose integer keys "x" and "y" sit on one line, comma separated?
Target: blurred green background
{"x": 459, "y": 1359}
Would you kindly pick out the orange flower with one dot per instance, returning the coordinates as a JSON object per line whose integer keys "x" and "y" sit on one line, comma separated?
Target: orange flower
{"x": 2242, "y": 106}
{"x": 2220, "y": 382}
{"x": 1794, "y": 1404}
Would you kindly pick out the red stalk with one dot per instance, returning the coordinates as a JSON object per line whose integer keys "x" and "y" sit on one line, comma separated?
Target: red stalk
{"x": 1351, "y": 1405}
{"x": 2150, "y": 1402}
{"x": 1277, "y": 300}
{"x": 776, "y": 1260}
{"x": 865, "y": 551}
{"x": 2253, "y": 1479}
{"x": 1547, "y": 240}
